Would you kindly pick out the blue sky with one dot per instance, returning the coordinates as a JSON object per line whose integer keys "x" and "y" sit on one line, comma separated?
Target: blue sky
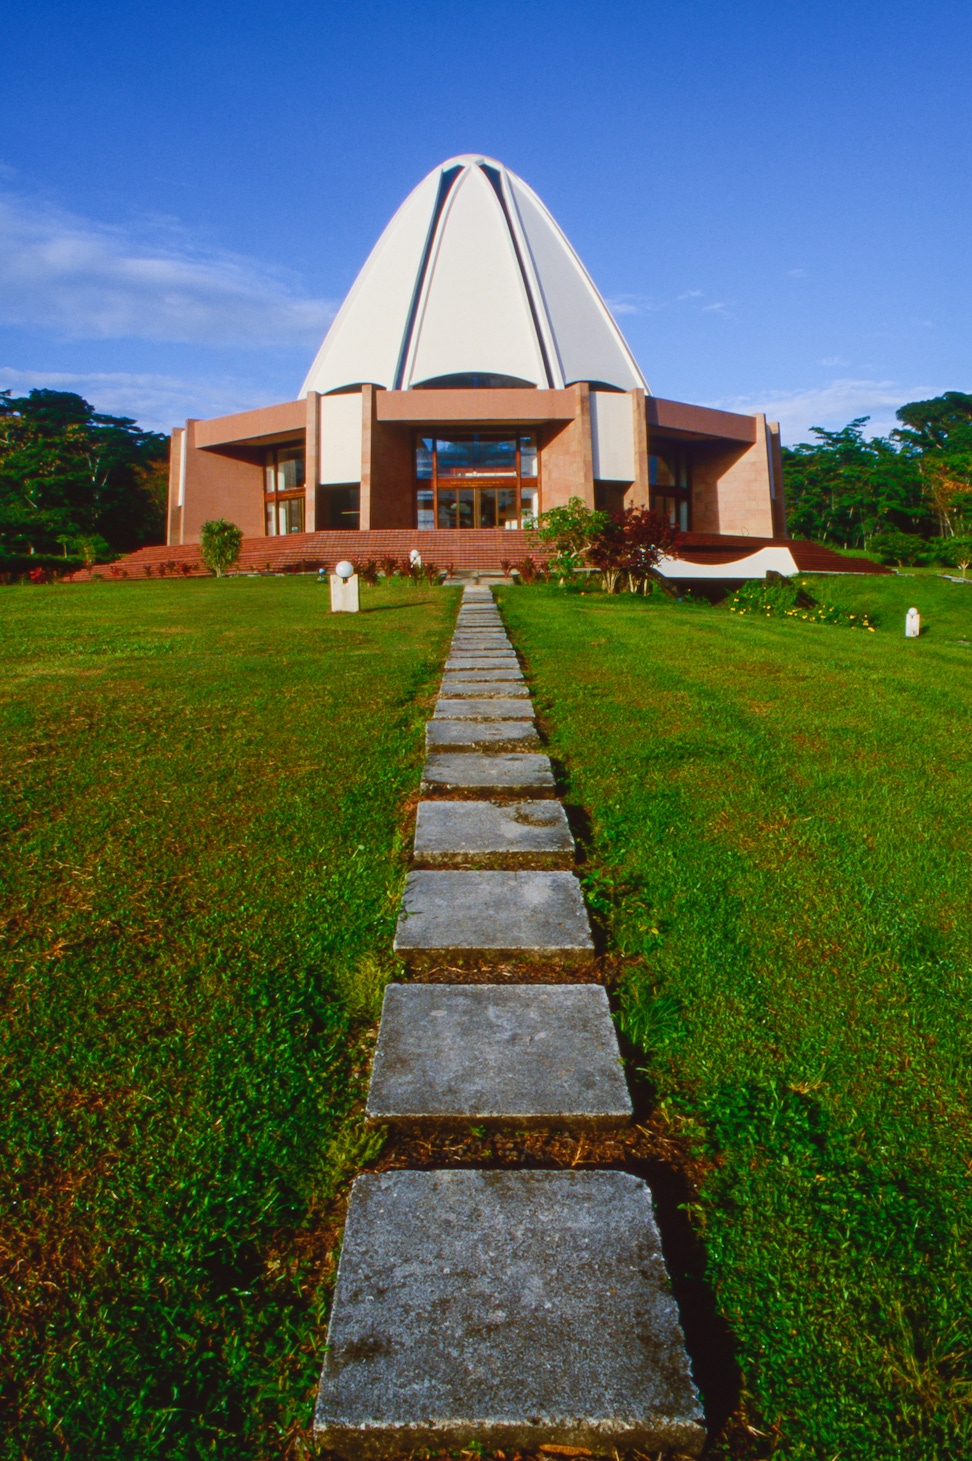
{"x": 774, "y": 198}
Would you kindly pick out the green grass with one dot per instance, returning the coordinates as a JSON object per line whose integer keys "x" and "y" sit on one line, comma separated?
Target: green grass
{"x": 201, "y": 861}
{"x": 780, "y": 847}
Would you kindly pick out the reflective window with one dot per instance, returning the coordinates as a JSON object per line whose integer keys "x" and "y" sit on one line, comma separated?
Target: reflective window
{"x": 284, "y": 490}
{"x": 423, "y": 458}
{"x": 528, "y": 456}
{"x": 660, "y": 472}
{"x": 475, "y": 455}
{"x": 425, "y": 500}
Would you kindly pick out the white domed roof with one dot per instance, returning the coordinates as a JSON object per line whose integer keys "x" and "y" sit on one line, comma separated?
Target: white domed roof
{"x": 473, "y": 283}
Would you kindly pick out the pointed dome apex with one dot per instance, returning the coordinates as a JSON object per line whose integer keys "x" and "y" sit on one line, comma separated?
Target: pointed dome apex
{"x": 473, "y": 283}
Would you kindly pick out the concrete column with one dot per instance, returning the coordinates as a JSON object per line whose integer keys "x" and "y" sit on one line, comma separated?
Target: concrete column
{"x": 745, "y": 503}
{"x": 639, "y": 494}
{"x": 567, "y": 455}
{"x": 779, "y": 495}
{"x": 312, "y": 460}
{"x": 369, "y": 421}
{"x": 177, "y": 466}
{"x": 586, "y": 485}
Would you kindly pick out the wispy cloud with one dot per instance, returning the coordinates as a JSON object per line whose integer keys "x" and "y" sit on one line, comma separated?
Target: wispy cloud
{"x": 644, "y": 304}
{"x": 635, "y": 304}
{"x": 157, "y": 402}
{"x": 832, "y": 405}
{"x": 83, "y": 279}
{"x": 796, "y": 273}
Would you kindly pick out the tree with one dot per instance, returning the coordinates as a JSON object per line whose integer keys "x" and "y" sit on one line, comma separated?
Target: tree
{"x": 570, "y": 530}
{"x": 66, "y": 470}
{"x": 844, "y": 489}
{"x": 939, "y": 433}
{"x": 220, "y": 544}
{"x": 632, "y": 542}
{"x": 649, "y": 538}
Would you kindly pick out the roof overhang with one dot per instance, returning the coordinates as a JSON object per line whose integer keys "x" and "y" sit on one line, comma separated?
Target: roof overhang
{"x": 698, "y": 423}
{"x": 263, "y": 427}
{"x": 476, "y": 407}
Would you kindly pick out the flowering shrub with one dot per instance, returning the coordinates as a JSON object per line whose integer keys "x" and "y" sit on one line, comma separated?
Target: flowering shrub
{"x": 791, "y": 599}
{"x": 528, "y": 569}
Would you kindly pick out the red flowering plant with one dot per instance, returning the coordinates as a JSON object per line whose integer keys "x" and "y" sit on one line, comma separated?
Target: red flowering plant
{"x": 632, "y": 543}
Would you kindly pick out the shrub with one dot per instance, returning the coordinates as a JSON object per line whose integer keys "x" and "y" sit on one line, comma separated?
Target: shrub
{"x": 527, "y": 570}
{"x": 388, "y": 565}
{"x": 571, "y": 529}
{"x": 15, "y": 565}
{"x": 368, "y": 573}
{"x": 791, "y": 598}
{"x": 631, "y": 543}
{"x": 894, "y": 546}
{"x": 958, "y": 553}
{"x": 220, "y": 545}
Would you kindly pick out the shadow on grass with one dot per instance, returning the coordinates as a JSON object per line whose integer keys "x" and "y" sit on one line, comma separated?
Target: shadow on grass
{"x": 393, "y": 608}
{"x": 708, "y": 1337}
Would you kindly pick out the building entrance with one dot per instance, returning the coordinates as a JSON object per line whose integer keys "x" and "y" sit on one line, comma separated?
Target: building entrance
{"x": 476, "y": 480}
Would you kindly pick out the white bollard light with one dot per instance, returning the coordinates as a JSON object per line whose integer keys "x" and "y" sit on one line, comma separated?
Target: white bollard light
{"x": 912, "y": 624}
{"x": 344, "y": 589}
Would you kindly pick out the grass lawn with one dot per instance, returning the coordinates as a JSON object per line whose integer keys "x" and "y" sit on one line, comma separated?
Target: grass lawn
{"x": 780, "y": 848}
{"x": 202, "y": 788}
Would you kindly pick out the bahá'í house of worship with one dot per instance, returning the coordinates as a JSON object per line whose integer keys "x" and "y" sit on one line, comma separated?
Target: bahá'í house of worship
{"x": 472, "y": 379}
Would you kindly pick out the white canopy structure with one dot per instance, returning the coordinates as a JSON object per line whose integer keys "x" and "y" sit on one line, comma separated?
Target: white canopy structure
{"x": 473, "y": 284}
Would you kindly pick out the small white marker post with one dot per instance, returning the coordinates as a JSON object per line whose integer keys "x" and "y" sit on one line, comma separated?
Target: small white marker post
{"x": 912, "y": 624}
{"x": 344, "y": 589}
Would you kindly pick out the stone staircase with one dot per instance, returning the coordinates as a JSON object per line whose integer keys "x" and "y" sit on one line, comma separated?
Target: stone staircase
{"x": 513, "y": 1310}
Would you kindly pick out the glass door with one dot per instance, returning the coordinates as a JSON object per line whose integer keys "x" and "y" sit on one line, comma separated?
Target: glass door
{"x": 669, "y": 479}
{"x": 283, "y": 494}
{"x": 476, "y": 480}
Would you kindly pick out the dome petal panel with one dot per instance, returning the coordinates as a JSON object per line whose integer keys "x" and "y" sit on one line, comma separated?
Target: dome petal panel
{"x": 472, "y": 280}
{"x": 365, "y": 341}
{"x": 475, "y": 314}
{"x": 589, "y": 343}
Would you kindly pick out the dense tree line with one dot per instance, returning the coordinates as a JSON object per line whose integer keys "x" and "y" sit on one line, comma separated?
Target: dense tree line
{"x": 76, "y": 482}
{"x": 907, "y": 496}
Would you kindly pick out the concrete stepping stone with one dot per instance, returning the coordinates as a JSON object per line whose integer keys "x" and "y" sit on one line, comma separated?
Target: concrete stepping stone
{"x": 466, "y": 774}
{"x": 521, "y": 916}
{"x": 480, "y": 641}
{"x": 513, "y": 1309}
{"x": 483, "y": 709}
{"x": 498, "y": 1054}
{"x": 492, "y": 834}
{"x": 493, "y": 672}
{"x": 459, "y": 688}
{"x": 481, "y": 735}
{"x": 482, "y": 660}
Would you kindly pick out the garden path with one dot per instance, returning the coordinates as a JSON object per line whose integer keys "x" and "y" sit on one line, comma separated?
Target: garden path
{"x": 520, "y": 1308}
